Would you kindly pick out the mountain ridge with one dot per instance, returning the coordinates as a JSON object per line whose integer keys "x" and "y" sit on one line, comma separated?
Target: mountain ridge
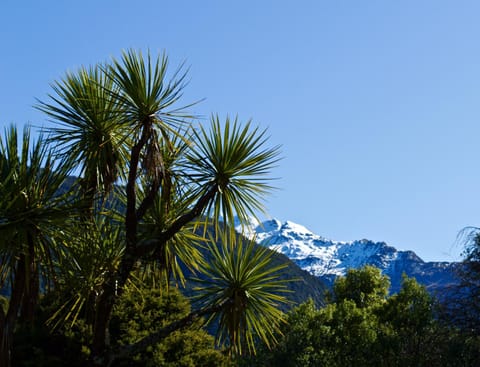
{"x": 328, "y": 259}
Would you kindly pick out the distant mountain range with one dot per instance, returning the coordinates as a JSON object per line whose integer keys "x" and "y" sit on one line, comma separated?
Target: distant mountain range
{"x": 328, "y": 259}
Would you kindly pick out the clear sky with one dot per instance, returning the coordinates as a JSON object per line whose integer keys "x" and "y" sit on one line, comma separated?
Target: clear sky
{"x": 376, "y": 103}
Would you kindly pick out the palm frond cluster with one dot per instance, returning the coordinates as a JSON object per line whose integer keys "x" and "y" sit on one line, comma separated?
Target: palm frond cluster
{"x": 150, "y": 177}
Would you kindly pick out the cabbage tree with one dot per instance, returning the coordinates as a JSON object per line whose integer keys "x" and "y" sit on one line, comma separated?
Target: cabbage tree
{"x": 33, "y": 214}
{"x": 123, "y": 123}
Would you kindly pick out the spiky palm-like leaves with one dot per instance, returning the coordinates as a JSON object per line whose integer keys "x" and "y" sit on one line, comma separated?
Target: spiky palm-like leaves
{"x": 233, "y": 160}
{"x": 166, "y": 259}
{"x": 89, "y": 132}
{"x": 31, "y": 209}
{"x": 146, "y": 101}
{"x": 171, "y": 201}
{"x": 32, "y": 214}
{"x": 121, "y": 122}
{"x": 144, "y": 90}
{"x": 89, "y": 254}
{"x": 100, "y": 112}
{"x": 149, "y": 106}
{"x": 240, "y": 278}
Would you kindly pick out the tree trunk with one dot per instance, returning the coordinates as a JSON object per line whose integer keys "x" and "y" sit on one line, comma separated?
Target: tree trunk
{"x": 8, "y": 320}
{"x": 30, "y": 296}
{"x": 132, "y": 252}
{"x": 100, "y": 328}
{"x": 107, "y": 298}
{"x": 111, "y": 290}
{"x": 4, "y": 341}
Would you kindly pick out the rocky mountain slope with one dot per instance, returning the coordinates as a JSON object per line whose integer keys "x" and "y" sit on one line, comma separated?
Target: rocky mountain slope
{"x": 328, "y": 259}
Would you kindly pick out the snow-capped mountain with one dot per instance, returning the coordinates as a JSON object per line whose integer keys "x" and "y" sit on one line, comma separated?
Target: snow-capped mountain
{"x": 328, "y": 259}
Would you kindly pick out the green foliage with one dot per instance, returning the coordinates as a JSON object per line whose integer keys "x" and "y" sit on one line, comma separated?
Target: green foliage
{"x": 365, "y": 286}
{"x": 144, "y": 90}
{"x": 142, "y": 311}
{"x": 139, "y": 312}
{"x": 168, "y": 260}
{"x": 32, "y": 214}
{"x": 39, "y": 345}
{"x": 121, "y": 123}
{"x": 89, "y": 253}
{"x": 300, "y": 285}
{"x": 238, "y": 278}
{"x": 411, "y": 309}
{"x": 232, "y": 159}
{"x": 3, "y": 304}
{"x": 301, "y": 342}
{"x": 353, "y": 332}
{"x": 366, "y": 328}
{"x": 466, "y": 311}
{"x": 89, "y": 134}
{"x": 189, "y": 348}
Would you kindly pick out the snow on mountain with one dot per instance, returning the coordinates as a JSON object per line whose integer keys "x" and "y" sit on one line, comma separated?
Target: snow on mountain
{"x": 328, "y": 259}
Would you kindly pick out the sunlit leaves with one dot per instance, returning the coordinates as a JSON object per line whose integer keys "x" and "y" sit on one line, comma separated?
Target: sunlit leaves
{"x": 89, "y": 253}
{"x": 240, "y": 277}
{"x": 166, "y": 260}
{"x": 32, "y": 210}
{"x": 88, "y": 130}
{"x": 365, "y": 286}
{"x": 233, "y": 159}
{"x": 146, "y": 91}
{"x": 122, "y": 126}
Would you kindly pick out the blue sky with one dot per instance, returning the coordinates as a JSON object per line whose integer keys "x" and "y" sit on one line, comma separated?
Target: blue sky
{"x": 375, "y": 103}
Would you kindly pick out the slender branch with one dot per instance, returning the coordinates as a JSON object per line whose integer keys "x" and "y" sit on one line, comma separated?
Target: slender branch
{"x": 131, "y": 220}
{"x": 18, "y": 291}
{"x": 130, "y": 217}
{"x": 177, "y": 225}
{"x": 148, "y": 199}
{"x": 148, "y": 245}
{"x": 192, "y": 214}
{"x": 107, "y": 299}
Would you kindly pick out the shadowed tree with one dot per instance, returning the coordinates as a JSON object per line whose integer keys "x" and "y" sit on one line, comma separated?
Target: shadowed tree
{"x": 32, "y": 213}
{"x": 466, "y": 311}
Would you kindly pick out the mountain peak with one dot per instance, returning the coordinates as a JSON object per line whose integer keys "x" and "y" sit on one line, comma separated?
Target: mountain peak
{"x": 328, "y": 259}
